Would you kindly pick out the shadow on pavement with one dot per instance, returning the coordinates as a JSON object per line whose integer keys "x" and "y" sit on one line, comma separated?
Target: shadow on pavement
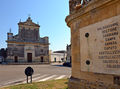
{"x": 61, "y": 66}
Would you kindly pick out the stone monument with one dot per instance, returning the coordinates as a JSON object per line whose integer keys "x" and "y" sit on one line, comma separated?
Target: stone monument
{"x": 95, "y": 39}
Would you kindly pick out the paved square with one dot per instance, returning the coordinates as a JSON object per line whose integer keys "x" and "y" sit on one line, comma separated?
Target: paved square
{"x": 13, "y": 74}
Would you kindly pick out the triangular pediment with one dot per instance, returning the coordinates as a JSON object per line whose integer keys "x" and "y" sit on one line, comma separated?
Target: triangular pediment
{"x": 28, "y": 22}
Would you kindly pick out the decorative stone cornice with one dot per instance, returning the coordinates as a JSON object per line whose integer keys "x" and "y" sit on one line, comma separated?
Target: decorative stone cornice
{"x": 93, "y": 5}
{"x": 28, "y": 43}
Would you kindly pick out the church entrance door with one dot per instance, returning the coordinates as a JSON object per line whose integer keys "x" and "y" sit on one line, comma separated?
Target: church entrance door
{"x": 41, "y": 59}
{"x": 16, "y": 59}
{"x": 29, "y": 57}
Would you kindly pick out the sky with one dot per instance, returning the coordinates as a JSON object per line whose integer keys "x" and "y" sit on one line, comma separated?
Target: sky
{"x": 50, "y": 14}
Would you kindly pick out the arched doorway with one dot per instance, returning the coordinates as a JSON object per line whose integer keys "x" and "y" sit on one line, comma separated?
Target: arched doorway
{"x": 42, "y": 60}
{"x": 16, "y": 59}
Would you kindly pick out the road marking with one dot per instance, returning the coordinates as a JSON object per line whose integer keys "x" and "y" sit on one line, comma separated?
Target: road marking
{"x": 47, "y": 78}
{"x": 11, "y": 82}
{"x": 18, "y": 81}
{"x": 36, "y": 78}
{"x": 36, "y": 75}
{"x": 60, "y": 77}
{"x": 39, "y": 77}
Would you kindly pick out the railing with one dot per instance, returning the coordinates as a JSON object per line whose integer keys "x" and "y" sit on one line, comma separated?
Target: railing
{"x": 76, "y": 4}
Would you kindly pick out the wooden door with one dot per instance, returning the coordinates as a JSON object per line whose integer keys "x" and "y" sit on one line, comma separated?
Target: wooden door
{"x": 29, "y": 57}
{"x": 16, "y": 59}
{"x": 41, "y": 59}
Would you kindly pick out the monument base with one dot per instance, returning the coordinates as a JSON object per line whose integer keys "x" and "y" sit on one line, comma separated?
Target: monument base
{"x": 75, "y": 83}
{"x": 95, "y": 36}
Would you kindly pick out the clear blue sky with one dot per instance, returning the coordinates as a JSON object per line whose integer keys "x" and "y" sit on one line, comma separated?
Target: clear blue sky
{"x": 50, "y": 14}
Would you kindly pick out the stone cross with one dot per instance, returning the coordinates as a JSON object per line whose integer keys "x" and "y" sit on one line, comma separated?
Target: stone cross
{"x": 10, "y": 30}
{"x": 29, "y": 15}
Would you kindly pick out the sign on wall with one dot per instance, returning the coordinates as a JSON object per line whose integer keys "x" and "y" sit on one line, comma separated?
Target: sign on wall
{"x": 100, "y": 47}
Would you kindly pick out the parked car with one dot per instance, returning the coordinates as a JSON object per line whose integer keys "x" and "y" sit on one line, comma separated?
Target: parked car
{"x": 67, "y": 64}
{"x": 1, "y": 59}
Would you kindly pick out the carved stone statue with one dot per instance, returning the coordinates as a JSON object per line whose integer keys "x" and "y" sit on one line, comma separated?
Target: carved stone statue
{"x": 75, "y": 4}
{"x": 85, "y": 2}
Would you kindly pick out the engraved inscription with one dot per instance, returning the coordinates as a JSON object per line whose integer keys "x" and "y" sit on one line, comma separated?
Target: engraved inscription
{"x": 110, "y": 53}
{"x": 101, "y": 46}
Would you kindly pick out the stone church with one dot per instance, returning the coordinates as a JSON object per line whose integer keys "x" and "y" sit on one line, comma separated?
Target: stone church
{"x": 27, "y": 45}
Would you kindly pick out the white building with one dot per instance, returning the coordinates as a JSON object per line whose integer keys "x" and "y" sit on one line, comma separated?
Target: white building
{"x": 57, "y": 56}
{"x": 68, "y": 53}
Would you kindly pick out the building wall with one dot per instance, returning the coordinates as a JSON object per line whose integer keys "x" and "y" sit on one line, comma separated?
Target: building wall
{"x": 58, "y": 56}
{"x": 95, "y": 11}
{"x": 21, "y": 50}
{"x": 27, "y": 40}
{"x": 15, "y": 50}
{"x": 25, "y": 34}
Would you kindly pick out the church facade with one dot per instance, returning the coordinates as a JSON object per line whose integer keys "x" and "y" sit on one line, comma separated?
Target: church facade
{"x": 27, "y": 46}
